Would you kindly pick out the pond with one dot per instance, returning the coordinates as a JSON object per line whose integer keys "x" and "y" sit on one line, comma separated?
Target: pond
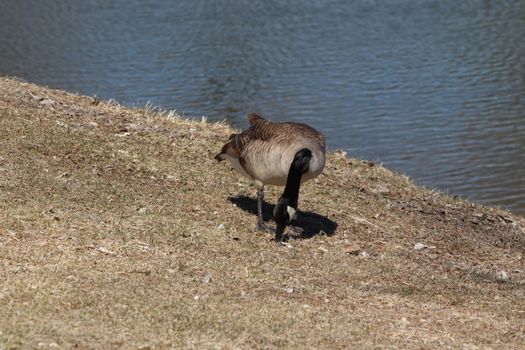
{"x": 431, "y": 89}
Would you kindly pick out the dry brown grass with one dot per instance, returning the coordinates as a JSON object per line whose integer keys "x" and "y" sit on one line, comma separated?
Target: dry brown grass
{"x": 119, "y": 230}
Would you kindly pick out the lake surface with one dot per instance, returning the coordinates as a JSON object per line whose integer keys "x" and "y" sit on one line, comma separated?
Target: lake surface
{"x": 432, "y": 89}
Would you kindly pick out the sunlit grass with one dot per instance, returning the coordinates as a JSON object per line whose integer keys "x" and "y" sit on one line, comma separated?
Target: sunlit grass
{"x": 119, "y": 230}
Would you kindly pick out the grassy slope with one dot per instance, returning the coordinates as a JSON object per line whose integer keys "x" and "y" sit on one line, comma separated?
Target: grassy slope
{"x": 117, "y": 229}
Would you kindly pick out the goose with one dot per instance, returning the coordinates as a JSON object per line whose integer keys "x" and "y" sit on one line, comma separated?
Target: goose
{"x": 280, "y": 154}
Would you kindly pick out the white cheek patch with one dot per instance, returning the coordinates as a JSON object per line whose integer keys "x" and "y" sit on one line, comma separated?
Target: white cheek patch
{"x": 291, "y": 212}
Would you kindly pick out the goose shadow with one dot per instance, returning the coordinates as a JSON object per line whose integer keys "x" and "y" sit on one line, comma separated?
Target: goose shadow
{"x": 313, "y": 224}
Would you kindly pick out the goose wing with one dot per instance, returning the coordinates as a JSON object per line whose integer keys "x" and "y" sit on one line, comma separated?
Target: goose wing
{"x": 260, "y": 129}
{"x": 282, "y": 134}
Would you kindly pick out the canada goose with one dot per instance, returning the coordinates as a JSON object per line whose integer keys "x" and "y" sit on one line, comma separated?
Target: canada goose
{"x": 281, "y": 154}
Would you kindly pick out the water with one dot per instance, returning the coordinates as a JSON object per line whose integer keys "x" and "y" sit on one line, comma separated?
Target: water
{"x": 433, "y": 89}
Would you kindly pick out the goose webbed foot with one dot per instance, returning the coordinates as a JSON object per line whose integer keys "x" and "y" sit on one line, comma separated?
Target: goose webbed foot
{"x": 298, "y": 230}
{"x": 263, "y": 227}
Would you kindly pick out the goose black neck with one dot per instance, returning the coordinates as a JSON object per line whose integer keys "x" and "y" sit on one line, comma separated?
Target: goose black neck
{"x": 291, "y": 191}
{"x": 298, "y": 167}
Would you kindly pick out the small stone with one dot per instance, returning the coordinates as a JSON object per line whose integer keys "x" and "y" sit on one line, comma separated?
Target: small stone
{"x": 502, "y": 276}
{"x": 381, "y": 189}
{"x": 106, "y": 251}
{"x": 341, "y": 153}
{"x": 206, "y": 279}
{"x": 286, "y": 244}
{"x": 353, "y": 249}
{"x": 66, "y": 174}
{"x": 420, "y": 246}
{"x": 221, "y": 227}
{"x": 506, "y": 219}
{"x": 46, "y": 102}
{"x": 403, "y": 322}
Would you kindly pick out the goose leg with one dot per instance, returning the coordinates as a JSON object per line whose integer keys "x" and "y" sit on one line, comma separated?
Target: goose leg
{"x": 261, "y": 225}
